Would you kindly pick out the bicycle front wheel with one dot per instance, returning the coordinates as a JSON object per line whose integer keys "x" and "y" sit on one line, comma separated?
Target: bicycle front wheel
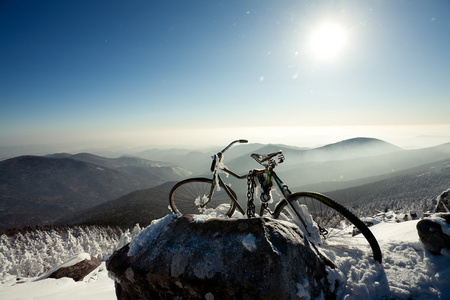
{"x": 336, "y": 223}
{"x": 190, "y": 195}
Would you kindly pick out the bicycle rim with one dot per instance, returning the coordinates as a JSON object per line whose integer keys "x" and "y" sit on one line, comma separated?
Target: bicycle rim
{"x": 339, "y": 228}
{"x": 187, "y": 197}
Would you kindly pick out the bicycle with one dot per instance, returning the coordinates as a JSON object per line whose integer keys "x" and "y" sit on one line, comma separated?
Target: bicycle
{"x": 193, "y": 195}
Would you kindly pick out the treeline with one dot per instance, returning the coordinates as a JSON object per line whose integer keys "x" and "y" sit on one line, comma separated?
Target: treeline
{"x": 400, "y": 205}
{"x": 31, "y": 253}
{"x": 399, "y": 194}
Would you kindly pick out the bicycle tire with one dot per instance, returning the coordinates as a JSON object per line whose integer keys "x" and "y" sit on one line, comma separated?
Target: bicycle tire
{"x": 183, "y": 196}
{"x": 319, "y": 207}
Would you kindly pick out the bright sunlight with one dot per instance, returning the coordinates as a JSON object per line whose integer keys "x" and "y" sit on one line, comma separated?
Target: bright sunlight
{"x": 327, "y": 41}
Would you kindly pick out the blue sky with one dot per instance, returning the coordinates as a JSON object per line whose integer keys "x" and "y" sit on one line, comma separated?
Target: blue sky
{"x": 205, "y": 72}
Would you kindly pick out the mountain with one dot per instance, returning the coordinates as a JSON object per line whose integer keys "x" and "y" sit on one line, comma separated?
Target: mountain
{"x": 199, "y": 161}
{"x": 238, "y": 157}
{"x": 353, "y": 148}
{"x": 412, "y": 189}
{"x": 343, "y": 171}
{"x": 157, "y": 171}
{"x": 36, "y": 190}
{"x": 140, "y": 206}
{"x": 194, "y": 161}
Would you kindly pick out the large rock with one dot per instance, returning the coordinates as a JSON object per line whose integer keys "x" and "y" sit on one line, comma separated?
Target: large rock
{"x": 434, "y": 232}
{"x": 256, "y": 258}
{"x": 76, "y": 268}
{"x": 443, "y": 202}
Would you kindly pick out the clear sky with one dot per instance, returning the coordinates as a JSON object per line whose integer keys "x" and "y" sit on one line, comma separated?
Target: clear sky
{"x": 206, "y": 72}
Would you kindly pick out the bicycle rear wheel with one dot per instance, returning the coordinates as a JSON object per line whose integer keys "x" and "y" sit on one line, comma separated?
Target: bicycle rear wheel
{"x": 187, "y": 197}
{"x": 334, "y": 222}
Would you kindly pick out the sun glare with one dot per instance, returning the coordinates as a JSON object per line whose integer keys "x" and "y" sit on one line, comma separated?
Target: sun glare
{"x": 327, "y": 41}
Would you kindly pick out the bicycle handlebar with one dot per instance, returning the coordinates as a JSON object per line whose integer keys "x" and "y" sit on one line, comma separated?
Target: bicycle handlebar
{"x": 264, "y": 159}
{"x": 231, "y": 144}
{"x": 219, "y": 154}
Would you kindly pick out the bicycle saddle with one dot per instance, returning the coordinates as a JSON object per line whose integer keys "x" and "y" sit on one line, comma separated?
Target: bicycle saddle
{"x": 266, "y": 159}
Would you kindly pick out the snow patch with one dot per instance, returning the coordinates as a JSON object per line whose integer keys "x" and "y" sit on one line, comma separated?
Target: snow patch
{"x": 441, "y": 221}
{"x": 201, "y": 201}
{"x": 249, "y": 242}
{"x": 149, "y": 234}
{"x": 214, "y": 213}
{"x": 302, "y": 290}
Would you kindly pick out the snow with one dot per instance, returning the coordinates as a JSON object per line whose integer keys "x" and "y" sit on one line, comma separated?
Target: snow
{"x": 408, "y": 271}
{"x": 441, "y": 221}
{"x": 249, "y": 242}
{"x": 97, "y": 285}
{"x": 149, "y": 234}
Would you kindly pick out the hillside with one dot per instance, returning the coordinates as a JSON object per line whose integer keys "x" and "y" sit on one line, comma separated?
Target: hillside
{"x": 157, "y": 171}
{"x": 37, "y": 190}
{"x": 413, "y": 189}
{"x": 138, "y": 207}
{"x": 331, "y": 174}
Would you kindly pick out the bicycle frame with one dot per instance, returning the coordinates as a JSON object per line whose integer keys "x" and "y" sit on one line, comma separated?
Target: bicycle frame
{"x": 270, "y": 176}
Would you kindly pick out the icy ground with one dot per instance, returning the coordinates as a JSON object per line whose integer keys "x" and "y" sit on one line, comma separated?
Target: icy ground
{"x": 408, "y": 271}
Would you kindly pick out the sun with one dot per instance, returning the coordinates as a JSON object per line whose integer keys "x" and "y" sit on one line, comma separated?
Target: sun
{"x": 327, "y": 41}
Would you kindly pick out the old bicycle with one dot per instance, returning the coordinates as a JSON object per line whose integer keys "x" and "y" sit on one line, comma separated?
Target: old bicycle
{"x": 194, "y": 195}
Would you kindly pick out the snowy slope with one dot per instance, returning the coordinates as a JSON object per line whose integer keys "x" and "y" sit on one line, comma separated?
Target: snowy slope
{"x": 96, "y": 285}
{"x": 407, "y": 271}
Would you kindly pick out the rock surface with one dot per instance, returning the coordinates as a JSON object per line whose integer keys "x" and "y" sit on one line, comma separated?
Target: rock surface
{"x": 434, "y": 232}
{"x": 185, "y": 257}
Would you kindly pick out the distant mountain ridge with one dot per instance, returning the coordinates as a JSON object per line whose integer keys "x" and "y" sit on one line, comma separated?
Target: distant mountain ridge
{"x": 356, "y": 148}
{"x": 365, "y": 146}
{"x": 157, "y": 171}
{"x": 238, "y": 156}
{"x": 123, "y": 161}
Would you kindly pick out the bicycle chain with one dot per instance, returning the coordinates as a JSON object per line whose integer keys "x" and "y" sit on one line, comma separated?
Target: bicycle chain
{"x": 250, "y": 193}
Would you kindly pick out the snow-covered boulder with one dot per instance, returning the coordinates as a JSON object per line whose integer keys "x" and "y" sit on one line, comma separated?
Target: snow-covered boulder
{"x": 188, "y": 256}
{"x": 434, "y": 232}
{"x": 443, "y": 202}
{"x": 76, "y": 268}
